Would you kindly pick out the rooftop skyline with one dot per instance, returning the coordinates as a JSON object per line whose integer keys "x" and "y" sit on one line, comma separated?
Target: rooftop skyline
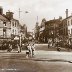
{"x": 47, "y": 9}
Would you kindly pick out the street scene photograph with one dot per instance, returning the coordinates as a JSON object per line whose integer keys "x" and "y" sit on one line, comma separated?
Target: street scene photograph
{"x": 35, "y": 36}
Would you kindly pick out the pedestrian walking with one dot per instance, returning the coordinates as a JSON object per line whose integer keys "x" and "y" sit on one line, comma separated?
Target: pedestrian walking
{"x": 10, "y": 48}
{"x": 33, "y": 49}
{"x": 29, "y": 51}
{"x": 49, "y": 43}
{"x": 18, "y": 48}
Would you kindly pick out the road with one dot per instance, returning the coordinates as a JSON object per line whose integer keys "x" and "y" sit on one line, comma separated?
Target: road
{"x": 45, "y": 60}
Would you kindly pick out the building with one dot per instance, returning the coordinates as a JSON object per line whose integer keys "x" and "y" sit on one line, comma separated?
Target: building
{"x": 9, "y": 27}
{"x": 69, "y": 25}
{"x": 5, "y": 28}
{"x": 14, "y": 25}
{"x": 52, "y": 28}
{"x": 63, "y": 29}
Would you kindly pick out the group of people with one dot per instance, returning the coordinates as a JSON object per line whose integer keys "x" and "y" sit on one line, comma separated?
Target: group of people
{"x": 10, "y": 47}
{"x": 30, "y": 50}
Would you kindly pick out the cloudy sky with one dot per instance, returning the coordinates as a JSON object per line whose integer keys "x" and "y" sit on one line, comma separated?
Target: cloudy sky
{"x": 47, "y": 9}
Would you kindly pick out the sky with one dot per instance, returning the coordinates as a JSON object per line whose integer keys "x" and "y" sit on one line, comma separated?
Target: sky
{"x": 47, "y": 9}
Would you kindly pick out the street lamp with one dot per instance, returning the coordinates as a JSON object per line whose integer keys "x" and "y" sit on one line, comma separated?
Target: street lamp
{"x": 20, "y": 41}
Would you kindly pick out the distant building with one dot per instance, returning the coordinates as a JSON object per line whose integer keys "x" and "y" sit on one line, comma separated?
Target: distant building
{"x": 24, "y": 31}
{"x": 36, "y": 31}
{"x": 52, "y": 28}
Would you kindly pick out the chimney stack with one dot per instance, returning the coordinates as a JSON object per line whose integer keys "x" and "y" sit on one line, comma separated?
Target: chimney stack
{"x": 66, "y": 13}
{"x": 60, "y": 18}
{"x": 9, "y": 15}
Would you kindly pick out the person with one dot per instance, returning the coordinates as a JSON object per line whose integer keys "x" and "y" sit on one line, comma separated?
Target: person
{"x": 48, "y": 44}
{"x": 33, "y": 49}
{"x": 18, "y": 48}
{"x": 9, "y": 48}
{"x": 29, "y": 50}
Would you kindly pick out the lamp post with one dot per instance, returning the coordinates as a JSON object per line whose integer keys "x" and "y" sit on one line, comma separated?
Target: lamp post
{"x": 20, "y": 41}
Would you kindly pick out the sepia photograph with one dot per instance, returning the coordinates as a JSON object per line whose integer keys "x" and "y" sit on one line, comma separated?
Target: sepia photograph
{"x": 35, "y": 36}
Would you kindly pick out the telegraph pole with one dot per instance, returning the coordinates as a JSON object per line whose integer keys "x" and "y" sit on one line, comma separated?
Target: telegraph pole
{"x": 20, "y": 32}
{"x": 37, "y": 18}
{"x": 19, "y": 12}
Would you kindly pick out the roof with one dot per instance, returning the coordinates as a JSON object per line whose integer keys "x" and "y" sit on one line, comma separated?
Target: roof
{"x": 15, "y": 20}
{"x": 3, "y": 18}
{"x": 53, "y": 21}
{"x": 69, "y": 17}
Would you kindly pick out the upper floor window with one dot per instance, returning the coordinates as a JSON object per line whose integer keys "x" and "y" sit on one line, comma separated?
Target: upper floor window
{"x": 4, "y": 23}
{"x": 13, "y": 23}
{"x": 13, "y": 31}
{"x": 68, "y": 23}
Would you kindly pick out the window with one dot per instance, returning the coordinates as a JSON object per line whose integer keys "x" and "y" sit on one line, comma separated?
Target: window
{"x": 68, "y": 31}
{"x": 4, "y": 23}
{"x": 68, "y": 23}
{"x": 15, "y": 24}
{"x": 13, "y": 31}
{"x": 71, "y": 21}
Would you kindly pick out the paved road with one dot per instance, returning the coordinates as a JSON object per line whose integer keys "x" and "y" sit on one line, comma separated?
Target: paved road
{"x": 45, "y": 60}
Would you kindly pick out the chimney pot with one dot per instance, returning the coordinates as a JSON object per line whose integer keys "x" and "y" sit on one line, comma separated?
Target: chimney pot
{"x": 66, "y": 13}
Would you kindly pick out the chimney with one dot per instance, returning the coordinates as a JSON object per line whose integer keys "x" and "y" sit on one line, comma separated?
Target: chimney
{"x": 9, "y": 15}
{"x": 66, "y": 13}
{"x": 1, "y": 10}
{"x": 54, "y": 18}
{"x": 60, "y": 18}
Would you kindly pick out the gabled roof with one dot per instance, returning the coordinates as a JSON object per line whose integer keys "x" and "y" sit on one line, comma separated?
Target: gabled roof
{"x": 3, "y": 18}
